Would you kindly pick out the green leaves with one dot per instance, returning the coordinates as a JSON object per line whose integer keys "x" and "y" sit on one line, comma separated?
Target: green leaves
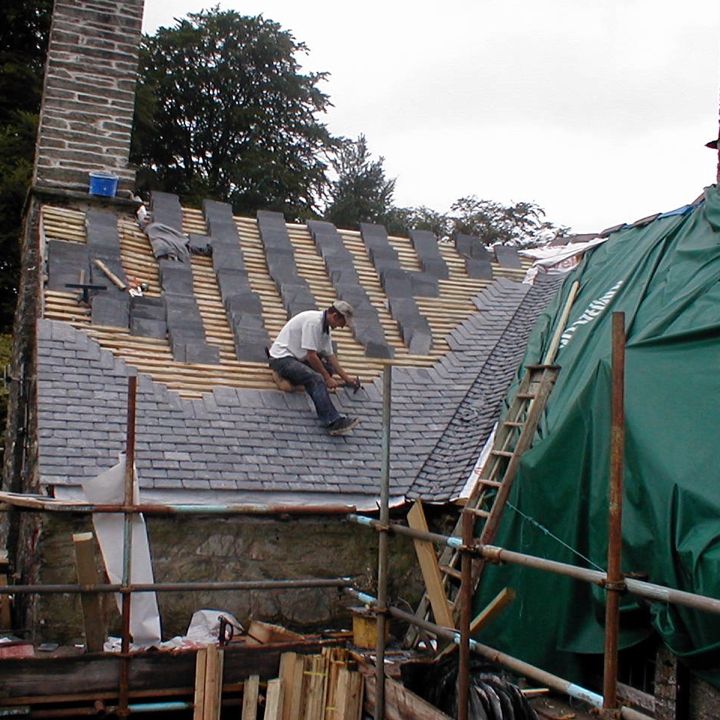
{"x": 233, "y": 117}
{"x": 24, "y": 29}
{"x": 225, "y": 111}
{"x": 522, "y": 224}
{"x": 360, "y": 192}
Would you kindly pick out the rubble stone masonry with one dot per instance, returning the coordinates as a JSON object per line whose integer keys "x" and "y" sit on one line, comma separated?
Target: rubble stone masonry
{"x": 89, "y": 93}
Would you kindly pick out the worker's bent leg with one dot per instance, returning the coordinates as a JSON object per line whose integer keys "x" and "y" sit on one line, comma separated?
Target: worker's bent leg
{"x": 300, "y": 374}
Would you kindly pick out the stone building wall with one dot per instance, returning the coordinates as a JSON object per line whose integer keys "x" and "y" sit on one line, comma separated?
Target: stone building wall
{"x": 89, "y": 93}
{"x": 200, "y": 549}
{"x": 19, "y": 531}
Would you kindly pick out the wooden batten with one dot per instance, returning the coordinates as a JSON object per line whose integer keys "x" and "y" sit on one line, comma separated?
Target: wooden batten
{"x": 430, "y": 568}
{"x": 153, "y": 357}
{"x": 349, "y": 695}
{"x": 199, "y": 694}
{"x": 88, "y": 574}
{"x": 251, "y": 693}
{"x": 274, "y": 700}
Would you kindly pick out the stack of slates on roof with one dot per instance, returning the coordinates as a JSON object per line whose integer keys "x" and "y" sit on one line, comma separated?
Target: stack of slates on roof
{"x": 243, "y": 306}
{"x": 67, "y": 264}
{"x": 280, "y": 258}
{"x": 339, "y": 265}
{"x": 144, "y": 345}
{"x": 401, "y": 286}
{"x": 431, "y": 261}
{"x": 507, "y": 257}
{"x": 112, "y": 305}
{"x": 184, "y": 323}
{"x": 477, "y": 257}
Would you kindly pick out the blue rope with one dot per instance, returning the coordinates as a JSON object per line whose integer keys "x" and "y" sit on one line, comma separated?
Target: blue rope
{"x": 547, "y": 532}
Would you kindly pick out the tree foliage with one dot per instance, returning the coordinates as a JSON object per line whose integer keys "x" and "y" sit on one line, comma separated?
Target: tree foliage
{"x": 224, "y": 111}
{"x": 24, "y": 30}
{"x": 361, "y": 192}
{"x": 401, "y": 220}
{"x": 521, "y": 225}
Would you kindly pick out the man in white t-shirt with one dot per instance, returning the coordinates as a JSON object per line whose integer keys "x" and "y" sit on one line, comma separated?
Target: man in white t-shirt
{"x": 303, "y": 354}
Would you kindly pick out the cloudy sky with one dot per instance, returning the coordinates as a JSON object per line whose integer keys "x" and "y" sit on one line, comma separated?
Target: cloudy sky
{"x": 596, "y": 110}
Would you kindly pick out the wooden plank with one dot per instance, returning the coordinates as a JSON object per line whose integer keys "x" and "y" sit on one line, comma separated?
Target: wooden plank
{"x": 274, "y": 700}
{"x": 400, "y": 703}
{"x": 430, "y": 568}
{"x": 44, "y": 676}
{"x": 199, "y": 696}
{"x": 88, "y": 574}
{"x": 114, "y": 279}
{"x": 251, "y": 691}
{"x": 492, "y": 610}
{"x": 336, "y": 661}
{"x": 291, "y": 674}
{"x": 349, "y": 695}
{"x": 489, "y": 613}
{"x": 213, "y": 683}
{"x": 315, "y": 673}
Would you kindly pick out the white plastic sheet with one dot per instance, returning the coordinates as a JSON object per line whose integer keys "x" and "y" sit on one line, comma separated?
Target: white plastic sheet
{"x": 107, "y": 488}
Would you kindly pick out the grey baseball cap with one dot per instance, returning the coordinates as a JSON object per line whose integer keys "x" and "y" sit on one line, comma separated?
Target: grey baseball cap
{"x": 345, "y": 309}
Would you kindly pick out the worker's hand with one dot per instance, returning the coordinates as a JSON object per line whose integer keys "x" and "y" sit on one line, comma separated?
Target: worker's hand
{"x": 331, "y": 382}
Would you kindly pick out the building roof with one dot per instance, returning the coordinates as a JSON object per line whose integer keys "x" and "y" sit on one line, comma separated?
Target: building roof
{"x": 210, "y": 421}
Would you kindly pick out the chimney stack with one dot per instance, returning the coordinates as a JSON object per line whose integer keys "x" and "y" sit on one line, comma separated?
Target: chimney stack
{"x": 89, "y": 94}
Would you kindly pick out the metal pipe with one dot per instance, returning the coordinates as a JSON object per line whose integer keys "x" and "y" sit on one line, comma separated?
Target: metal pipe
{"x": 523, "y": 668}
{"x": 179, "y": 587}
{"x": 124, "y": 689}
{"x": 614, "y": 584}
{"x": 466, "y": 596}
{"x": 381, "y": 605}
{"x": 159, "y": 706}
{"x": 450, "y": 541}
{"x": 496, "y": 554}
{"x": 597, "y": 577}
{"x": 554, "y": 682}
{"x": 174, "y": 509}
{"x": 176, "y": 705}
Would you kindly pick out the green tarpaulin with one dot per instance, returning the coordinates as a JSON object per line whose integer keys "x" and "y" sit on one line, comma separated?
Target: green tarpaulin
{"x": 665, "y": 278}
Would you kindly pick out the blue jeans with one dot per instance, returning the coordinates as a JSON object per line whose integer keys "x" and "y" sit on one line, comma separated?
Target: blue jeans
{"x": 298, "y": 373}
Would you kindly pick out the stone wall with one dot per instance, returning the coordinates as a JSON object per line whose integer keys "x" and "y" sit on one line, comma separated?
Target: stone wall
{"x": 196, "y": 549}
{"x": 18, "y": 531}
{"x": 89, "y": 93}
{"x": 704, "y": 700}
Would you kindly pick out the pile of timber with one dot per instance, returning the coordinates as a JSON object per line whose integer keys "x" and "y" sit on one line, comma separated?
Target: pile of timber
{"x": 327, "y": 686}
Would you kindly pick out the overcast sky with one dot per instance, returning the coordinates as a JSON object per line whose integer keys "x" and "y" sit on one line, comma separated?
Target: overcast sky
{"x": 596, "y": 110}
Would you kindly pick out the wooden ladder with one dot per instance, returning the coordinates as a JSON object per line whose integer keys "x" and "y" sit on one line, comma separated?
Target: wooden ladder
{"x": 488, "y": 497}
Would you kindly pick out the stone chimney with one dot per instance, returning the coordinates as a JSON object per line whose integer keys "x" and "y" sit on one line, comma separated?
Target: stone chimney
{"x": 89, "y": 94}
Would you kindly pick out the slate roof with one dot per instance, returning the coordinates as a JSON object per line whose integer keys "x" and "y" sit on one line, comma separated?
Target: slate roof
{"x": 221, "y": 431}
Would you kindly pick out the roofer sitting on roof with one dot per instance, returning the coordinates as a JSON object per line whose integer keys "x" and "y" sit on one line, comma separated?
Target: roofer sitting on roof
{"x": 303, "y": 354}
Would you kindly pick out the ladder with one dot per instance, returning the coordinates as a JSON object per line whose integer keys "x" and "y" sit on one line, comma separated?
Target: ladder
{"x": 488, "y": 496}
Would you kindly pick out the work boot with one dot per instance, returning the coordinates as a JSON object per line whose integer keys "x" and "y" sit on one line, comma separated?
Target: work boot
{"x": 343, "y": 425}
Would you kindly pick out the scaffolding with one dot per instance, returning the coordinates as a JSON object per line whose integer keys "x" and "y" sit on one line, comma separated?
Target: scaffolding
{"x": 468, "y": 547}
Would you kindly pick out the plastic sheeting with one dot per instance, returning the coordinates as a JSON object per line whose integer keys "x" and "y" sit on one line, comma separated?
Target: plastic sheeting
{"x": 664, "y": 277}
{"x": 109, "y": 488}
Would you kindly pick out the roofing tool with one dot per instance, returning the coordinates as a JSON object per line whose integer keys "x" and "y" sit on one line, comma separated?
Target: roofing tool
{"x": 355, "y": 385}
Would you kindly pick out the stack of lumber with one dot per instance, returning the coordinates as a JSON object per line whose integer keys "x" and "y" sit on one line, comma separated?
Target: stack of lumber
{"x": 308, "y": 687}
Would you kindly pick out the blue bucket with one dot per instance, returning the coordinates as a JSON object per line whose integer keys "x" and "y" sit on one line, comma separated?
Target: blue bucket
{"x": 103, "y": 183}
